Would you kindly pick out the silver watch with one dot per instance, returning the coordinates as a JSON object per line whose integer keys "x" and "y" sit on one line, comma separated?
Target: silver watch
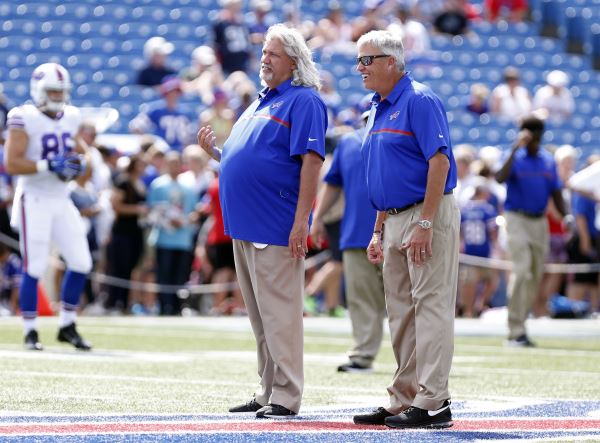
{"x": 425, "y": 224}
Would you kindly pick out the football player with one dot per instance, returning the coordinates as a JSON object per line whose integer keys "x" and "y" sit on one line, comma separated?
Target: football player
{"x": 43, "y": 149}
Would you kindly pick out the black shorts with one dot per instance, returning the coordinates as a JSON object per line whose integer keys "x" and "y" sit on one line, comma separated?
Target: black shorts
{"x": 333, "y": 234}
{"x": 220, "y": 255}
{"x": 576, "y": 257}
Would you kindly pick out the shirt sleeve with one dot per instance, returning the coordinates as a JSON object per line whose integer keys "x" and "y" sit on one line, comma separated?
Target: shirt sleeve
{"x": 428, "y": 122}
{"x": 308, "y": 125}
{"x": 15, "y": 119}
{"x": 334, "y": 175}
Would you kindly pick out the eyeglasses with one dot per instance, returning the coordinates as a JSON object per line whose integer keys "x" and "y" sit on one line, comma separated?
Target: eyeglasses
{"x": 366, "y": 60}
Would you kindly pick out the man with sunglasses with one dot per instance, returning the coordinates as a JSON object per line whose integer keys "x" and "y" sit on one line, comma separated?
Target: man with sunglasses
{"x": 411, "y": 173}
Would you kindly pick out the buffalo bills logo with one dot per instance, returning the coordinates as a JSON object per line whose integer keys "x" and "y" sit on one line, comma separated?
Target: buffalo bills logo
{"x": 394, "y": 115}
{"x": 37, "y": 75}
{"x": 276, "y": 105}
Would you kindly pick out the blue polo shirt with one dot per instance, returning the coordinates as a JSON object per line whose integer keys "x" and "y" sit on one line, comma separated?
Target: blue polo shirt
{"x": 260, "y": 164}
{"x": 403, "y": 132}
{"x": 531, "y": 182}
{"x": 347, "y": 171}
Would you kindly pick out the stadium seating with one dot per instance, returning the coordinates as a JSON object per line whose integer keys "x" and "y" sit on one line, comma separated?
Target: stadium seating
{"x": 101, "y": 43}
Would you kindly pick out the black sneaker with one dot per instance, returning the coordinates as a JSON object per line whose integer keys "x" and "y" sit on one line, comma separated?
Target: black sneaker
{"x": 32, "y": 342}
{"x": 250, "y": 406}
{"x": 377, "y": 417}
{"x": 354, "y": 367}
{"x": 415, "y": 417}
{"x": 274, "y": 411}
{"x": 520, "y": 342}
{"x": 69, "y": 334}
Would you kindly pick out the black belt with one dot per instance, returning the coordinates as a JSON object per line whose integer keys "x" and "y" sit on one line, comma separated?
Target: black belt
{"x": 528, "y": 214}
{"x": 394, "y": 211}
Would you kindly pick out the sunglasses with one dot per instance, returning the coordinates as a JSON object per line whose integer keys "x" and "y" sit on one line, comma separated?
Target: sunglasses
{"x": 366, "y": 60}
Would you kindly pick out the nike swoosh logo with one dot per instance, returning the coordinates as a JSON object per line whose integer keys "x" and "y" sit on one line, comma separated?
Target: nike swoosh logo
{"x": 312, "y": 139}
{"x": 440, "y": 136}
{"x": 433, "y": 413}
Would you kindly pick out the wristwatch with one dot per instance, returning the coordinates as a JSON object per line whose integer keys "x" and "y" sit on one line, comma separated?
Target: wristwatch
{"x": 425, "y": 224}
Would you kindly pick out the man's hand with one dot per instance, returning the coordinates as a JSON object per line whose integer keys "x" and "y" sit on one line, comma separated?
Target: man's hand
{"x": 375, "y": 249}
{"x": 297, "y": 240}
{"x": 207, "y": 141}
{"x": 419, "y": 246}
{"x": 318, "y": 233}
{"x": 66, "y": 166}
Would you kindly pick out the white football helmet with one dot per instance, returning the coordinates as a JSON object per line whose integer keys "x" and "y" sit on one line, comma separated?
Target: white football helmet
{"x": 50, "y": 77}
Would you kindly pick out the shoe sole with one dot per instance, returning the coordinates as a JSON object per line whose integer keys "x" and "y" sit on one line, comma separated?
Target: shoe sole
{"x": 441, "y": 425}
{"x": 277, "y": 417}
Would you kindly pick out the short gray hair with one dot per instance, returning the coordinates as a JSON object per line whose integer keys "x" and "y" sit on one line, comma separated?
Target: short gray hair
{"x": 306, "y": 73}
{"x": 387, "y": 42}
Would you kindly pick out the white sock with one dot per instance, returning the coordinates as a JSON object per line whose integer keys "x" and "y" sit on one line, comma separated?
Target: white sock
{"x": 29, "y": 324}
{"x": 65, "y": 317}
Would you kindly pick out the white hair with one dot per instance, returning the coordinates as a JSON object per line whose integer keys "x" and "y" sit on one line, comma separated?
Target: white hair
{"x": 387, "y": 43}
{"x": 294, "y": 45}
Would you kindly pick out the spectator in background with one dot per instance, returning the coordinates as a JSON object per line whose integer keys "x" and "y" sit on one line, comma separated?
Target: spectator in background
{"x": 478, "y": 99}
{"x": 197, "y": 175}
{"x": 565, "y": 157}
{"x": 514, "y": 10}
{"x": 85, "y": 199}
{"x": 478, "y": 234}
{"x": 204, "y": 75}
{"x": 3, "y": 114}
{"x": 333, "y": 33}
{"x": 219, "y": 116}
{"x": 164, "y": 118}
{"x": 364, "y": 282}
{"x": 10, "y": 280}
{"x": 231, "y": 38}
{"x": 172, "y": 217}
{"x": 156, "y": 50}
{"x": 260, "y": 20}
{"x": 219, "y": 252}
{"x": 554, "y": 102}
{"x": 454, "y": 17}
{"x": 330, "y": 96}
{"x": 413, "y": 33}
{"x": 531, "y": 179}
{"x": 510, "y": 100}
{"x": 126, "y": 244}
{"x": 464, "y": 155}
{"x": 154, "y": 157}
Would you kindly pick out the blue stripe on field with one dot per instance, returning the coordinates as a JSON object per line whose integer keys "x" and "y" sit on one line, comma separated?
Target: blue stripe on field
{"x": 552, "y": 408}
{"x": 390, "y": 436}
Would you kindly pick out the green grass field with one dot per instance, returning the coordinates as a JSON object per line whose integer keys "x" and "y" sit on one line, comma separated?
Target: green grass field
{"x": 204, "y": 365}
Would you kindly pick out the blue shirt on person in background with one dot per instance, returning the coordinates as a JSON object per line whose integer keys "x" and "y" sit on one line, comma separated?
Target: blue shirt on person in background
{"x": 348, "y": 172}
{"x": 477, "y": 222}
{"x": 169, "y": 199}
{"x": 531, "y": 182}
{"x": 260, "y": 164}
{"x": 403, "y": 132}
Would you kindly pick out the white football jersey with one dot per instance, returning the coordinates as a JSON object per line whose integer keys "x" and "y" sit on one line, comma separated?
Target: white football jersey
{"x": 47, "y": 137}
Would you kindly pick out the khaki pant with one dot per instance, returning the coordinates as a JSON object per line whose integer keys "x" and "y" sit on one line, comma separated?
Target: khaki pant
{"x": 420, "y": 305}
{"x": 272, "y": 283}
{"x": 528, "y": 243}
{"x": 366, "y": 305}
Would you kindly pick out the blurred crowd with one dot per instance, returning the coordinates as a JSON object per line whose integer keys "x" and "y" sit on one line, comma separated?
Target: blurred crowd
{"x": 154, "y": 216}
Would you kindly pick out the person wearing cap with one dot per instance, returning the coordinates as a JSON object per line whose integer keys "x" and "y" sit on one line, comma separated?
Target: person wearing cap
{"x": 204, "y": 74}
{"x": 553, "y": 101}
{"x": 231, "y": 37}
{"x": 164, "y": 119}
{"x": 364, "y": 281}
{"x": 531, "y": 179}
{"x": 510, "y": 100}
{"x": 411, "y": 174}
{"x": 269, "y": 174}
{"x": 156, "y": 50}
